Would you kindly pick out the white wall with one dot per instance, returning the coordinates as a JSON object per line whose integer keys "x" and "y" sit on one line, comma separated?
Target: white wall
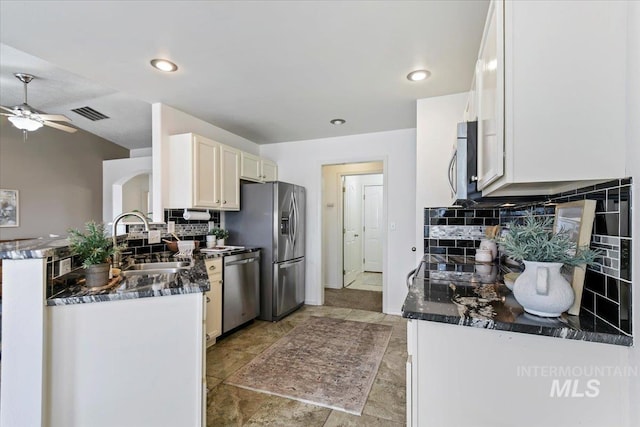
{"x": 332, "y": 217}
{"x": 117, "y": 172}
{"x": 167, "y": 121}
{"x": 437, "y": 120}
{"x": 633, "y": 170}
{"x": 301, "y": 163}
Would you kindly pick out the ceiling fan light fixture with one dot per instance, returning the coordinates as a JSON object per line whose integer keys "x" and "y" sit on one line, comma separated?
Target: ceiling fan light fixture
{"x": 25, "y": 123}
{"x": 164, "y": 65}
{"x": 418, "y": 75}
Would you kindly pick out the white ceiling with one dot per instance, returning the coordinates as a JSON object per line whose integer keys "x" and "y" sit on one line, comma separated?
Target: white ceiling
{"x": 270, "y": 71}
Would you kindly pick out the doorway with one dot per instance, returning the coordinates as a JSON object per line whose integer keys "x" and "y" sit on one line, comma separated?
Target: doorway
{"x": 353, "y": 200}
{"x": 362, "y": 204}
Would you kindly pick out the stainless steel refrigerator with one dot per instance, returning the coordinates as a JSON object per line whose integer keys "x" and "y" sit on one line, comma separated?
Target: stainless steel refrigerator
{"x": 272, "y": 217}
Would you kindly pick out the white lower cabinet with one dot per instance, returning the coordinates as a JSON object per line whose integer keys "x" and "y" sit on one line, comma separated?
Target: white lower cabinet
{"x": 213, "y": 300}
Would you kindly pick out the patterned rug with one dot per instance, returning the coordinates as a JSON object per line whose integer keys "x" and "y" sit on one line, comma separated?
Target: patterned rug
{"x": 323, "y": 361}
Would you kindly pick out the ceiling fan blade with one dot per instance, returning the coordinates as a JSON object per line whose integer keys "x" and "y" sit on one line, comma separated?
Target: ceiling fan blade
{"x": 60, "y": 127}
{"x": 6, "y": 108}
{"x": 8, "y": 115}
{"x": 54, "y": 117}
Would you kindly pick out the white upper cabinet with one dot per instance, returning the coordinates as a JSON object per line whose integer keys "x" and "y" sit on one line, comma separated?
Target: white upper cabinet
{"x": 551, "y": 96}
{"x": 268, "y": 170}
{"x": 490, "y": 89}
{"x": 250, "y": 167}
{"x": 194, "y": 176}
{"x": 257, "y": 169}
{"x": 202, "y": 174}
{"x": 229, "y": 178}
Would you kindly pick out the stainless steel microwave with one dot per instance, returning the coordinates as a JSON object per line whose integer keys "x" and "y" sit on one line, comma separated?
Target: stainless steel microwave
{"x": 463, "y": 166}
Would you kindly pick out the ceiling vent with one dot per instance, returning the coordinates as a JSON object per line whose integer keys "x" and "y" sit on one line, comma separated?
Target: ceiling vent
{"x": 90, "y": 113}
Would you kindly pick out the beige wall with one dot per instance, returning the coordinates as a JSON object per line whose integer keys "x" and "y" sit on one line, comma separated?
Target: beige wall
{"x": 59, "y": 176}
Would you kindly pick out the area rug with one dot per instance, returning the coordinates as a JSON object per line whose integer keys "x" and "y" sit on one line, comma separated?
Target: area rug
{"x": 323, "y": 361}
{"x": 353, "y": 298}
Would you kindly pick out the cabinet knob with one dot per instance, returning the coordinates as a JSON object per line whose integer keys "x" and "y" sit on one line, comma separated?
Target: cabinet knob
{"x": 224, "y": 202}
{"x": 208, "y": 299}
{"x": 218, "y": 201}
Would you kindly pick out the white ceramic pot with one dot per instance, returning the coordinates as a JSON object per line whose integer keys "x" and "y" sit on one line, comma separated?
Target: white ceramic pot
{"x": 541, "y": 289}
{"x": 489, "y": 245}
{"x": 211, "y": 241}
{"x": 220, "y": 242}
{"x": 483, "y": 255}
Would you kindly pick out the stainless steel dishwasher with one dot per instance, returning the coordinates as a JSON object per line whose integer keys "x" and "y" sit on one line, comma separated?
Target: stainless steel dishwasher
{"x": 241, "y": 289}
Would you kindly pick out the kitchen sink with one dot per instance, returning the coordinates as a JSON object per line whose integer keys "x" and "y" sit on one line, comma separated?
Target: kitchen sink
{"x": 156, "y": 268}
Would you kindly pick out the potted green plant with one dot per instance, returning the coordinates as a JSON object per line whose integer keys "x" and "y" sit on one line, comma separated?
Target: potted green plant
{"x": 95, "y": 250}
{"x": 220, "y": 234}
{"x": 541, "y": 289}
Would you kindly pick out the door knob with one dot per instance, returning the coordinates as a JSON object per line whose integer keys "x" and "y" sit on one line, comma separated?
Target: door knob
{"x": 413, "y": 249}
{"x": 356, "y": 235}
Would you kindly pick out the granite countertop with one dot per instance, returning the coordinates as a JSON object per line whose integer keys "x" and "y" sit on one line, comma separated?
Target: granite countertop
{"x": 187, "y": 281}
{"x": 450, "y": 289}
{"x": 43, "y": 247}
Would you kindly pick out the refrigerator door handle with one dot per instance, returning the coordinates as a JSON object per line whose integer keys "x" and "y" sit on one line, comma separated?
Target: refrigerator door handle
{"x": 294, "y": 232}
{"x": 288, "y": 264}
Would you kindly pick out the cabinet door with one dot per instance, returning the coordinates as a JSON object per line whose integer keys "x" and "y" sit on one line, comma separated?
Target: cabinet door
{"x": 269, "y": 170}
{"x": 205, "y": 177}
{"x": 213, "y": 299}
{"x": 490, "y": 107}
{"x": 250, "y": 167}
{"x": 229, "y": 178}
{"x": 470, "y": 114}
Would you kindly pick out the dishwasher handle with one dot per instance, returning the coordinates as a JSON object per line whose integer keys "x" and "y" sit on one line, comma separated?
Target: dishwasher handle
{"x": 243, "y": 261}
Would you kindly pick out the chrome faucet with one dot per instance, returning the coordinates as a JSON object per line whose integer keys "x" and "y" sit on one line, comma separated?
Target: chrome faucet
{"x": 116, "y": 254}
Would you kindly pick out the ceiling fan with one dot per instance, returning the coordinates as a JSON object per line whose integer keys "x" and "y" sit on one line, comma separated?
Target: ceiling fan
{"x": 27, "y": 118}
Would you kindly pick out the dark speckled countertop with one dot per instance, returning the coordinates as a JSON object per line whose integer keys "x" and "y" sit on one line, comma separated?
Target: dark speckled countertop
{"x": 68, "y": 291}
{"x": 187, "y": 281}
{"x": 451, "y": 290}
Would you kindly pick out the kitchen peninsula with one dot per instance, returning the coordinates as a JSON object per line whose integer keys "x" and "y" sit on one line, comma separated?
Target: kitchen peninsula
{"x": 132, "y": 355}
{"x": 473, "y": 341}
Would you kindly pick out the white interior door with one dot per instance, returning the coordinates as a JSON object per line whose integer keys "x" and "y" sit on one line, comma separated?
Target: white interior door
{"x": 351, "y": 230}
{"x": 372, "y": 228}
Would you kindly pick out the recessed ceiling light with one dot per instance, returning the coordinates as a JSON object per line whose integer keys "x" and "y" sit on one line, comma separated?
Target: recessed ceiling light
{"x": 164, "y": 65}
{"x": 338, "y": 122}
{"x": 418, "y": 75}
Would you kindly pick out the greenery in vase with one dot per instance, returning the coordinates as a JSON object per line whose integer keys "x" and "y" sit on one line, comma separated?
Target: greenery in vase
{"x": 535, "y": 240}
{"x": 220, "y": 233}
{"x": 93, "y": 246}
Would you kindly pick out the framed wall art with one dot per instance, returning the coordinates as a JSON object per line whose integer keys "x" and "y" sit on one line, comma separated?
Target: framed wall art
{"x": 9, "y": 215}
{"x": 576, "y": 219}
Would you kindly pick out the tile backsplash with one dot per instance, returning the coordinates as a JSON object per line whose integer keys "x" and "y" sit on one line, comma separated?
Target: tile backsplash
{"x": 138, "y": 245}
{"x": 607, "y": 289}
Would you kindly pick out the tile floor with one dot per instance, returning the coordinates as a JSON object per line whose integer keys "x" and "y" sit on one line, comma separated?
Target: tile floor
{"x": 232, "y": 406}
{"x": 367, "y": 281}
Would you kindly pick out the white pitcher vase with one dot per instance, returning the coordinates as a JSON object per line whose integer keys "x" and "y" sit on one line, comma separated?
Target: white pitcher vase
{"x": 541, "y": 289}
